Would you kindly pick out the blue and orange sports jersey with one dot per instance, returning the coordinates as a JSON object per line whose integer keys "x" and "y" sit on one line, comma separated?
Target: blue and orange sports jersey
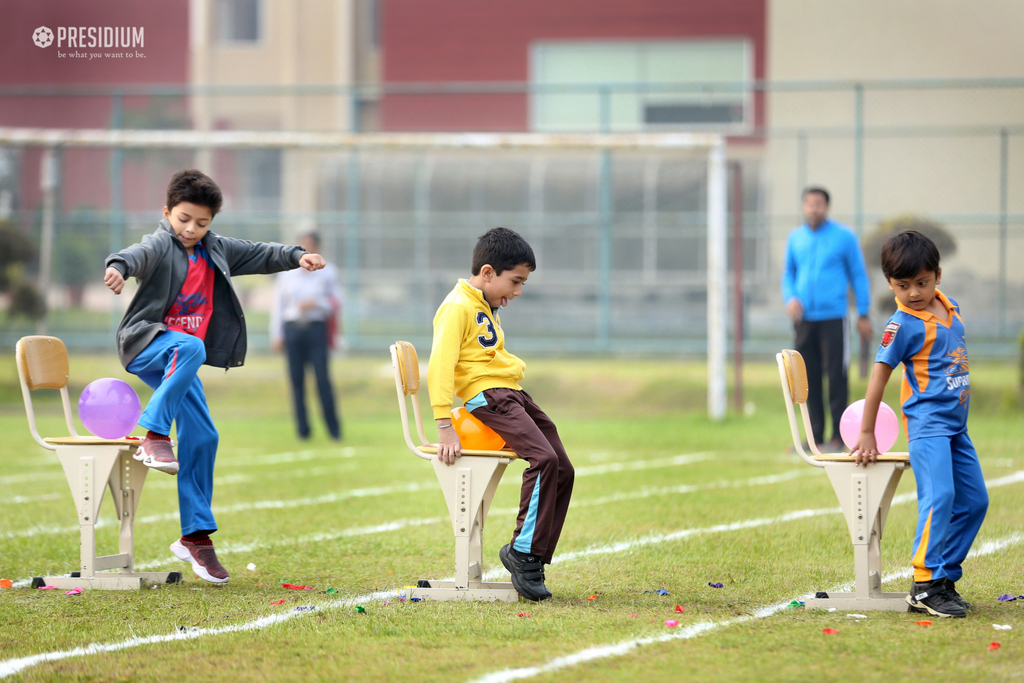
{"x": 190, "y": 312}
{"x": 936, "y": 389}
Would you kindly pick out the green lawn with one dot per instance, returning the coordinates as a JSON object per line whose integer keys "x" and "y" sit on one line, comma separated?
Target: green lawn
{"x": 285, "y": 506}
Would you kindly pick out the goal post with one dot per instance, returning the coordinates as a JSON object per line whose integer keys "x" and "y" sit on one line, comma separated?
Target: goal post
{"x": 712, "y": 146}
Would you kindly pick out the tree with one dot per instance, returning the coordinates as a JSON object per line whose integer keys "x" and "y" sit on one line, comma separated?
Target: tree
{"x": 873, "y": 243}
{"x": 16, "y": 251}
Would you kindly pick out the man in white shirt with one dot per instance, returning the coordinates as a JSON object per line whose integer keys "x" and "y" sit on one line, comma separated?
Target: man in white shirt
{"x": 302, "y": 322}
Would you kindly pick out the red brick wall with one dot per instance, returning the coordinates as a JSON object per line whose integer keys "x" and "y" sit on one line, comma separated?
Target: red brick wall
{"x": 85, "y": 174}
{"x": 470, "y": 40}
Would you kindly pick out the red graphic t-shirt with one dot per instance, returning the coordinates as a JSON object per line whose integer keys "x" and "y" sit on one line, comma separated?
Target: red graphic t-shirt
{"x": 191, "y": 311}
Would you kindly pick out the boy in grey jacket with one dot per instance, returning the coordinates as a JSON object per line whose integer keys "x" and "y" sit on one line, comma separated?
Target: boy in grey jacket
{"x": 185, "y": 314}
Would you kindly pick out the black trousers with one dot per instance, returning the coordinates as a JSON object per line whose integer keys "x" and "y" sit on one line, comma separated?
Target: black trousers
{"x": 822, "y": 343}
{"x": 306, "y": 344}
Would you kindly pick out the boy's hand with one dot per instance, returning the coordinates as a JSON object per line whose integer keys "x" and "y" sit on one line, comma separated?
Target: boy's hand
{"x": 865, "y": 449}
{"x": 312, "y": 262}
{"x": 114, "y": 280}
{"x": 448, "y": 445}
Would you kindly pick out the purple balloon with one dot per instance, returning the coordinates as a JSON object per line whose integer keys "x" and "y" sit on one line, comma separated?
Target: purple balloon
{"x": 109, "y": 408}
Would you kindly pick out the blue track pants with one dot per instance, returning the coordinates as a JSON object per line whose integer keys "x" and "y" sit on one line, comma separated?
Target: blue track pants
{"x": 951, "y": 505}
{"x": 169, "y": 365}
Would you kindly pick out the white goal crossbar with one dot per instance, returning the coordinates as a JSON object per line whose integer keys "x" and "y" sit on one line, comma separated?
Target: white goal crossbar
{"x": 711, "y": 144}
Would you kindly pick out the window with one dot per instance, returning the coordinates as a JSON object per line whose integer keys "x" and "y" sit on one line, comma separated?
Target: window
{"x": 238, "y": 21}
{"x": 635, "y": 86}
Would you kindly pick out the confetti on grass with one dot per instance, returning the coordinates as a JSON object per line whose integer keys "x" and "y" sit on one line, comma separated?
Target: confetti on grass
{"x": 829, "y": 631}
{"x": 6, "y": 583}
{"x": 923, "y": 623}
{"x": 360, "y": 609}
{"x": 660, "y": 591}
{"x": 525, "y": 615}
{"x": 994, "y": 646}
{"x": 679, "y": 608}
{"x": 592, "y": 598}
{"x": 1008, "y": 598}
{"x": 715, "y": 585}
{"x": 795, "y": 604}
{"x": 293, "y": 587}
{"x": 331, "y": 591}
{"x": 1002, "y": 627}
{"x": 671, "y": 623}
{"x": 302, "y": 608}
{"x": 857, "y": 616}
{"x": 279, "y": 602}
{"x": 251, "y": 567}
{"x": 73, "y": 591}
{"x": 47, "y": 588}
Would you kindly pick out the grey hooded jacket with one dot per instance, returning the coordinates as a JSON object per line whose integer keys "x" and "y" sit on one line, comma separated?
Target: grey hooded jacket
{"x": 160, "y": 263}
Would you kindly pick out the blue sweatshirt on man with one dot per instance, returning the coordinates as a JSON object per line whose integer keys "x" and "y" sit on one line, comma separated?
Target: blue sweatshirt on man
{"x": 820, "y": 267}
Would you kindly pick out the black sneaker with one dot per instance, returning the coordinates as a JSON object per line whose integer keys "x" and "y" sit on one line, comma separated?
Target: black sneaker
{"x": 935, "y": 598}
{"x": 957, "y": 598}
{"x": 527, "y": 573}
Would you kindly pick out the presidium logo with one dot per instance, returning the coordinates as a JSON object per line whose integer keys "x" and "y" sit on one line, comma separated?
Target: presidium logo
{"x": 42, "y": 37}
{"x": 102, "y": 37}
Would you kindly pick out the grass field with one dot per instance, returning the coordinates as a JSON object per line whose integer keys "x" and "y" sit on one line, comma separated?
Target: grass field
{"x": 738, "y": 510}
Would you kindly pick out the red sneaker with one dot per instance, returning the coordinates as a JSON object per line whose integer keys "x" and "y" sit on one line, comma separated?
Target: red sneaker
{"x": 157, "y": 454}
{"x": 203, "y": 558}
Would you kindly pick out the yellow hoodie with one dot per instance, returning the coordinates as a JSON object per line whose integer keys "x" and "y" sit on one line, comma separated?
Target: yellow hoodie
{"x": 468, "y": 354}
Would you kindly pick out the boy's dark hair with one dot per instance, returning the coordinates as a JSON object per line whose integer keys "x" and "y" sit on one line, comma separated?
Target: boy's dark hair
{"x": 195, "y": 187}
{"x": 313, "y": 237}
{"x": 814, "y": 189}
{"x": 907, "y": 254}
{"x": 503, "y": 249}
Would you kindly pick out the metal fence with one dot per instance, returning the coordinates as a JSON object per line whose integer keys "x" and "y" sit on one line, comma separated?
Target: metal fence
{"x": 401, "y": 224}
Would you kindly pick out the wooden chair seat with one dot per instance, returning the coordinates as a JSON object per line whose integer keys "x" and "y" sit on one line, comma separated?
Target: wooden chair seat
{"x": 431, "y": 449}
{"x": 846, "y": 457}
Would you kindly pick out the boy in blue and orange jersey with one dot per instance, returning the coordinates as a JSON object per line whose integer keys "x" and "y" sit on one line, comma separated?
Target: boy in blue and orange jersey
{"x": 926, "y": 335}
{"x": 469, "y": 360}
{"x": 185, "y": 314}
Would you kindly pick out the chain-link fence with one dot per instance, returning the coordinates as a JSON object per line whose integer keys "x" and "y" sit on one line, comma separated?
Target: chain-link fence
{"x": 400, "y": 224}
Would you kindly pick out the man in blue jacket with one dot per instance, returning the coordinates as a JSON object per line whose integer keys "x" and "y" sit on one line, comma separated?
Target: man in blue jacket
{"x": 823, "y": 260}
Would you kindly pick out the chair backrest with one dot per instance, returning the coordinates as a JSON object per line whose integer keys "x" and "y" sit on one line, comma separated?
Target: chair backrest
{"x": 43, "y": 364}
{"x": 407, "y": 383}
{"x": 408, "y": 367}
{"x": 796, "y": 375}
{"x": 793, "y": 373}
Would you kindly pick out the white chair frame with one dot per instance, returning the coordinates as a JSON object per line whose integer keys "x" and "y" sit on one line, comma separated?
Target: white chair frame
{"x": 865, "y": 494}
{"x": 468, "y": 487}
{"x": 90, "y": 465}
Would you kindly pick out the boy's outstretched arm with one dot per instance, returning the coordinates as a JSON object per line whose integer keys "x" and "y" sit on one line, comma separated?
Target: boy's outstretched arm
{"x": 866, "y": 450}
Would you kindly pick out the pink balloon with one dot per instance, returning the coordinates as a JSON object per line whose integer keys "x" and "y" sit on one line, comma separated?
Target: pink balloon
{"x": 109, "y": 408}
{"x": 887, "y": 426}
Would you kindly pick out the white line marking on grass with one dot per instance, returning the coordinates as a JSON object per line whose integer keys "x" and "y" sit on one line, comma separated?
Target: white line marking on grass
{"x": 642, "y": 464}
{"x": 240, "y": 507}
{"x": 693, "y": 488}
{"x": 315, "y": 538}
{"x": 31, "y": 476}
{"x": 12, "y": 666}
{"x": 30, "y": 499}
{"x": 627, "y": 646}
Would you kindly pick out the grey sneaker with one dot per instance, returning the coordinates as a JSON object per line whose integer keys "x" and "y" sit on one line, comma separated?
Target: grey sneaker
{"x": 934, "y": 597}
{"x": 527, "y": 573}
{"x": 158, "y": 455}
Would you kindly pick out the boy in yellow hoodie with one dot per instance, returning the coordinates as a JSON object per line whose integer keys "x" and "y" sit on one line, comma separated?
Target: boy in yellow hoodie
{"x": 469, "y": 360}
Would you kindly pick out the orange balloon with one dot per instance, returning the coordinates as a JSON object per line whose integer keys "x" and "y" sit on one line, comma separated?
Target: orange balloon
{"x": 474, "y": 434}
